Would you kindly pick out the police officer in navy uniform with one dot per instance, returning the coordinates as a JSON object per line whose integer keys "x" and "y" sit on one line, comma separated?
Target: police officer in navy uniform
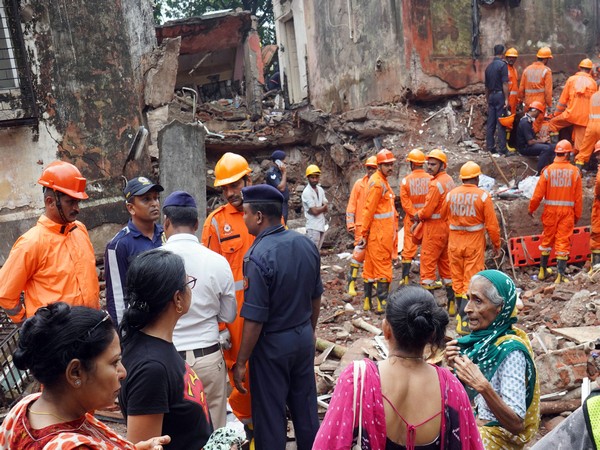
{"x": 496, "y": 95}
{"x": 282, "y": 299}
{"x": 277, "y": 177}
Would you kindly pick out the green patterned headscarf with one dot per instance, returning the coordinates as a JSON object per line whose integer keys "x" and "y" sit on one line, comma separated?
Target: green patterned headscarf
{"x": 487, "y": 348}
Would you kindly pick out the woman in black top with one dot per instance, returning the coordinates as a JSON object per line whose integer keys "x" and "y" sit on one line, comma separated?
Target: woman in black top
{"x": 161, "y": 394}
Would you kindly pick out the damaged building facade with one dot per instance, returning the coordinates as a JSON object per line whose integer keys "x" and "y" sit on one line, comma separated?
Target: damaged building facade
{"x": 70, "y": 88}
{"x": 343, "y": 55}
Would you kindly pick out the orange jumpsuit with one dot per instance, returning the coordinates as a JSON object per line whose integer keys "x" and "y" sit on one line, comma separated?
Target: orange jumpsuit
{"x": 434, "y": 249}
{"x": 592, "y": 131}
{"x": 595, "y": 229}
{"x": 413, "y": 191}
{"x": 51, "y": 262}
{"x": 560, "y": 188}
{"x": 536, "y": 84}
{"x": 225, "y": 232}
{"x": 355, "y": 207}
{"x": 379, "y": 229}
{"x": 573, "y": 107}
{"x": 469, "y": 211}
{"x": 513, "y": 88}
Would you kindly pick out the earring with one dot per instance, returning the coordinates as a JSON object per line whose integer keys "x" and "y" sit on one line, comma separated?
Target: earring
{"x": 179, "y": 309}
{"x": 77, "y": 383}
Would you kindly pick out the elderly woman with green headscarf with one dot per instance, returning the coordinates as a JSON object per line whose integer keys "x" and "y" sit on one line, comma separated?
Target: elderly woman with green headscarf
{"x": 495, "y": 363}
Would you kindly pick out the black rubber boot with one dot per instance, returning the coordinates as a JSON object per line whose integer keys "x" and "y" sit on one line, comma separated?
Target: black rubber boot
{"x": 405, "y": 272}
{"x": 544, "y": 271}
{"x": 368, "y": 304}
{"x": 450, "y": 296}
{"x": 561, "y": 267}
{"x": 383, "y": 289}
{"x": 352, "y": 277}
{"x": 595, "y": 259}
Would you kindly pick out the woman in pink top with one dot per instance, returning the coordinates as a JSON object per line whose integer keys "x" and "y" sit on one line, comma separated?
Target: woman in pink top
{"x": 407, "y": 403}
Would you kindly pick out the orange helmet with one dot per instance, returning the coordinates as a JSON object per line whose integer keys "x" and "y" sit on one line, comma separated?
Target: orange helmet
{"x": 230, "y": 168}
{"x": 64, "y": 177}
{"x": 385, "y": 156}
{"x": 416, "y": 156}
{"x": 538, "y": 105}
{"x": 512, "y": 53}
{"x": 563, "y": 147}
{"x": 586, "y": 64}
{"x": 544, "y": 53}
{"x": 371, "y": 161}
{"x": 436, "y": 153}
{"x": 597, "y": 147}
{"x": 507, "y": 121}
{"x": 470, "y": 170}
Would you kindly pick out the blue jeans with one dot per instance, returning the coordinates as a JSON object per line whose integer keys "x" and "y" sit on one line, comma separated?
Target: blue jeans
{"x": 545, "y": 153}
{"x": 495, "y": 110}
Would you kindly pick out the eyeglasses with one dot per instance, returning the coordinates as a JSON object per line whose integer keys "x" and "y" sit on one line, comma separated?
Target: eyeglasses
{"x": 191, "y": 282}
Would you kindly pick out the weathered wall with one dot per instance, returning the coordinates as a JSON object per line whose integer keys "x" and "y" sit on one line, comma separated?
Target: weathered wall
{"x": 354, "y": 55}
{"x": 422, "y": 48}
{"x": 88, "y": 95}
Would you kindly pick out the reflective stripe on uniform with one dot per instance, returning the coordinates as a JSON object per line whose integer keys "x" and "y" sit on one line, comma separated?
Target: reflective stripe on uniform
{"x": 534, "y": 91}
{"x": 558, "y": 203}
{"x": 14, "y": 311}
{"x": 419, "y": 205}
{"x": 594, "y": 116}
{"x": 440, "y": 187}
{"x": 239, "y": 285}
{"x": 477, "y": 227}
{"x": 384, "y": 215}
{"x": 484, "y": 196}
{"x": 514, "y": 92}
{"x": 215, "y": 224}
{"x": 436, "y": 216}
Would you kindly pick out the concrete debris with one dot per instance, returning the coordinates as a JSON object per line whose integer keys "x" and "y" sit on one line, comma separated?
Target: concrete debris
{"x": 160, "y": 79}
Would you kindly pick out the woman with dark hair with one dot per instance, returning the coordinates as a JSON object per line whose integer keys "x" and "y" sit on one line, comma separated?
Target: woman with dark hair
{"x": 406, "y": 402}
{"x": 495, "y": 363}
{"x": 75, "y": 353}
{"x": 161, "y": 394}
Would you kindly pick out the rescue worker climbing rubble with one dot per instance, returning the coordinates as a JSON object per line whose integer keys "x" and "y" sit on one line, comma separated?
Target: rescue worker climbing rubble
{"x": 354, "y": 211}
{"x": 379, "y": 232}
{"x": 536, "y": 84}
{"x": 413, "y": 191}
{"x": 559, "y": 187}
{"x": 470, "y": 212}
{"x": 225, "y": 232}
{"x": 434, "y": 250}
{"x": 595, "y": 228}
{"x": 54, "y": 260}
{"x": 592, "y": 132}
{"x": 573, "y": 107}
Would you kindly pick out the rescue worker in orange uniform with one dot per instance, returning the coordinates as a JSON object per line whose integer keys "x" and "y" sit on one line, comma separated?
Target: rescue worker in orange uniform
{"x": 595, "y": 228}
{"x": 470, "y": 212}
{"x": 54, "y": 260}
{"x": 225, "y": 232}
{"x": 434, "y": 249}
{"x": 592, "y": 132}
{"x": 536, "y": 84}
{"x": 413, "y": 191}
{"x": 379, "y": 232}
{"x": 511, "y": 56}
{"x": 354, "y": 212}
{"x": 559, "y": 187}
{"x": 573, "y": 107}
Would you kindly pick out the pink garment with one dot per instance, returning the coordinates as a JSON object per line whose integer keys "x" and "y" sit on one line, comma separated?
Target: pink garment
{"x": 458, "y": 428}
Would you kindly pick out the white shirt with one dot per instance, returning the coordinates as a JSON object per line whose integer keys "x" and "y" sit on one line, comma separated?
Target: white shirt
{"x": 311, "y": 199}
{"x": 213, "y": 297}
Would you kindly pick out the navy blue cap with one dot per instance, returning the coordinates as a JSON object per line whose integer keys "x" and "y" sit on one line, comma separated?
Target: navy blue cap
{"x": 278, "y": 154}
{"x": 261, "y": 193}
{"x": 139, "y": 186}
{"x": 180, "y": 198}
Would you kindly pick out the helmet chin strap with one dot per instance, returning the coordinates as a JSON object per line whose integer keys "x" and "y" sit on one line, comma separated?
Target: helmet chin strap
{"x": 59, "y": 207}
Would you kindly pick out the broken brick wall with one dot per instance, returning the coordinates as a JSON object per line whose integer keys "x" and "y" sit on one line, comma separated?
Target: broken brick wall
{"x": 87, "y": 84}
{"x": 422, "y": 49}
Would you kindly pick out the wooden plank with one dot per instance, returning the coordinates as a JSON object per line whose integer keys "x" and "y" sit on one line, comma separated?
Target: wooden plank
{"x": 579, "y": 335}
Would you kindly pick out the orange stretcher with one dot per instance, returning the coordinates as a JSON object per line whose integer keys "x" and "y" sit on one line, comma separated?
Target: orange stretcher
{"x": 524, "y": 250}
